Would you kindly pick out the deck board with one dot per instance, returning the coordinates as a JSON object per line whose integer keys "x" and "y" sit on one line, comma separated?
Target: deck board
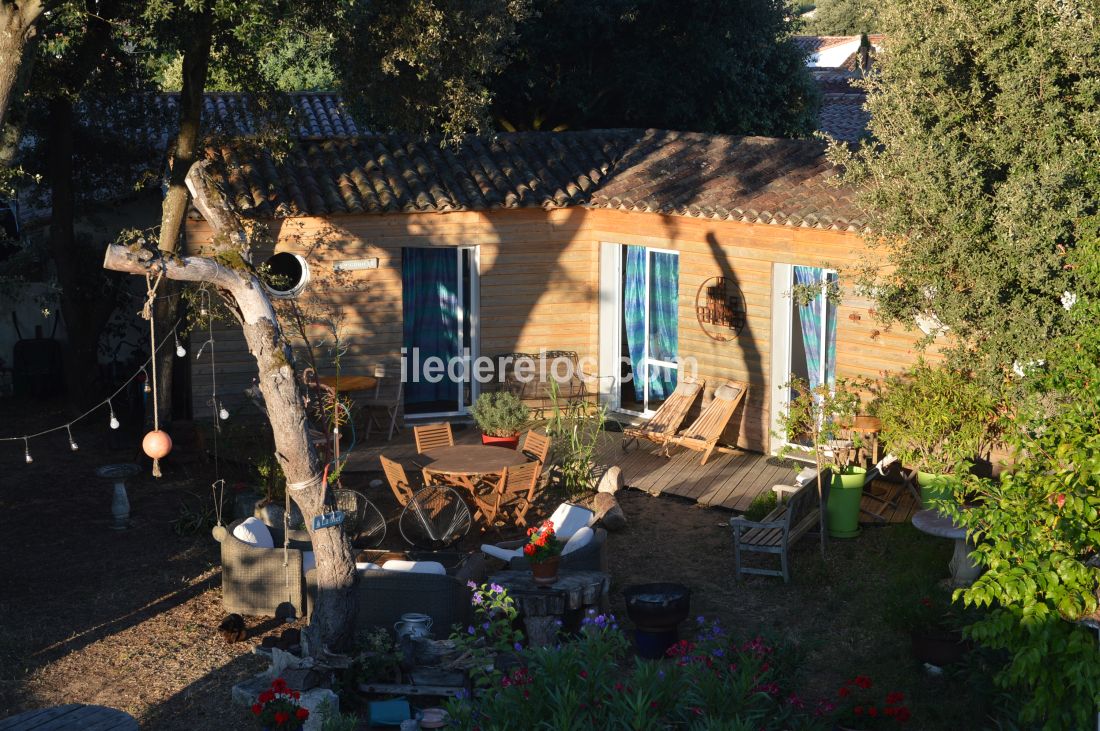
{"x": 730, "y": 481}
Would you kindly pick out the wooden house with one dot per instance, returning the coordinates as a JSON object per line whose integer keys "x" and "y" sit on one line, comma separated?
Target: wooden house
{"x": 640, "y": 251}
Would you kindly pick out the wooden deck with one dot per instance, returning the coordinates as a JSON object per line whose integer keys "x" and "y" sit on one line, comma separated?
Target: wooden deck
{"x": 728, "y": 481}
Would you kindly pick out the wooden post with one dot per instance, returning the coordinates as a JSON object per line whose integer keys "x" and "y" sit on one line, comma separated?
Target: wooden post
{"x": 233, "y": 275}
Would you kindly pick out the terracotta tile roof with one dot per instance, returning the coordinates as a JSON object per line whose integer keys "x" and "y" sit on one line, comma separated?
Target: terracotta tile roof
{"x": 312, "y": 115}
{"x": 842, "y": 115}
{"x": 816, "y": 44}
{"x": 752, "y": 179}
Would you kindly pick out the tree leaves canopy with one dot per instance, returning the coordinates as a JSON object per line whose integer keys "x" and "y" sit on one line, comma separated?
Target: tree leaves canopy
{"x": 987, "y": 125}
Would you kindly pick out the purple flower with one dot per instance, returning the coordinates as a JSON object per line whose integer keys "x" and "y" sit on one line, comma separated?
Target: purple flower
{"x": 496, "y": 588}
{"x": 471, "y": 584}
{"x": 700, "y": 619}
{"x": 517, "y": 647}
{"x": 477, "y": 599}
{"x": 470, "y": 629}
{"x": 485, "y": 625}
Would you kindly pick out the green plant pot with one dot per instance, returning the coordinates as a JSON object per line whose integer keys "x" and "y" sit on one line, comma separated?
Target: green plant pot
{"x": 928, "y": 489}
{"x": 842, "y": 509}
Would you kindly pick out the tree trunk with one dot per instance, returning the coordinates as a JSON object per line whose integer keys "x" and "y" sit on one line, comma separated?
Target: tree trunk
{"x": 17, "y": 26}
{"x": 84, "y": 305}
{"x": 334, "y": 613}
{"x": 196, "y": 60}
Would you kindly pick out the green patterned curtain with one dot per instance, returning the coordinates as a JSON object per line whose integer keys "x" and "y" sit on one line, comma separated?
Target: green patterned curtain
{"x": 429, "y": 298}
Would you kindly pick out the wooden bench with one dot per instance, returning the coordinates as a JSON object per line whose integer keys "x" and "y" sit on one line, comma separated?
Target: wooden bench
{"x": 778, "y": 531}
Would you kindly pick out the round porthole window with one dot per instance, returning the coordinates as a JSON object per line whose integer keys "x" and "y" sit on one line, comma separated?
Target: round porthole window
{"x": 285, "y": 274}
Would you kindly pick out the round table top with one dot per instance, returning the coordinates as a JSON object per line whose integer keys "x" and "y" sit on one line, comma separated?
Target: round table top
{"x": 349, "y": 382}
{"x": 935, "y": 523}
{"x": 471, "y": 459}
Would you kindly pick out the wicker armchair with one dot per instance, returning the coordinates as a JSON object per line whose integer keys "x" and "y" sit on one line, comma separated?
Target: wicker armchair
{"x": 254, "y": 581}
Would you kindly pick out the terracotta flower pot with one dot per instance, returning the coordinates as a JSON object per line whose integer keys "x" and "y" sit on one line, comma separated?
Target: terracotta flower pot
{"x": 546, "y": 572}
{"x": 507, "y": 442}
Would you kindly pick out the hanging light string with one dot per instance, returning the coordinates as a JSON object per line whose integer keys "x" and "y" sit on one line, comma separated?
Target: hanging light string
{"x": 67, "y": 426}
{"x": 147, "y": 312}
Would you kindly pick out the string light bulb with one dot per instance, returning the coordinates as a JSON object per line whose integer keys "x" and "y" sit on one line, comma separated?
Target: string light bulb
{"x": 27, "y": 451}
{"x": 223, "y": 413}
{"x": 72, "y": 443}
{"x": 180, "y": 350}
{"x": 114, "y": 421}
{"x": 147, "y": 388}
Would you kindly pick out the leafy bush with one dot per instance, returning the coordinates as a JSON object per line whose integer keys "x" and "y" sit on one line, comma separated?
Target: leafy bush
{"x": 1038, "y": 528}
{"x": 490, "y": 636}
{"x": 714, "y": 682}
{"x": 935, "y": 417}
{"x": 576, "y": 430}
{"x": 760, "y": 506}
{"x": 818, "y": 415}
{"x": 500, "y": 414}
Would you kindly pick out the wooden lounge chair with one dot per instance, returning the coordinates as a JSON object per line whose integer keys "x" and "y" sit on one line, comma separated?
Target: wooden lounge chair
{"x": 779, "y": 529}
{"x": 704, "y": 432}
{"x": 536, "y": 446}
{"x": 430, "y": 436}
{"x": 667, "y": 419}
{"x": 402, "y": 487}
{"x": 512, "y": 497}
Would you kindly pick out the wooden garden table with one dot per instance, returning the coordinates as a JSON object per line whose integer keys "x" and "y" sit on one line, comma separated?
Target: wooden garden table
{"x": 464, "y": 465}
{"x": 543, "y": 608}
{"x": 349, "y": 383}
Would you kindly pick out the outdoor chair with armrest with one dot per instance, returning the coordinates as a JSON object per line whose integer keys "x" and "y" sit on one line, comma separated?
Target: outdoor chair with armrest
{"x": 511, "y": 497}
{"x": 667, "y": 419}
{"x": 568, "y": 520}
{"x": 703, "y": 433}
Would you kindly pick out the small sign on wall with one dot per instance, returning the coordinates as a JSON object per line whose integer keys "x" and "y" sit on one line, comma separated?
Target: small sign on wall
{"x": 355, "y": 265}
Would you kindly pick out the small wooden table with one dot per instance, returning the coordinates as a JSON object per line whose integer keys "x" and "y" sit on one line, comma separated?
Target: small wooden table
{"x": 71, "y": 717}
{"x": 465, "y": 464}
{"x": 963, "y": 569}
{"x": 543, "y": 607}
{"x": 349, "y": 383}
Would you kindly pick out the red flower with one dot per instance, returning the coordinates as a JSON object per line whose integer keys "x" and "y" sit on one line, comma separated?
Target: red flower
{"x": 844, "y": 692}
{"x": 529, "y": 550}
{"x": 894, "y": 697}
{"x": 902, "y": 715}
{"x": 583, "y": 673}
{"x": 926, "y": 602}
{"x": 257, "y": 709}
{"x": 278, "y": 684}
{"x": 302, "y": 714}
{"x": 653, "y": 704}
{"x": 872, "y": 711}
{"x": 858, "y": 710}
{"x": 281, "y": 717}
{"x": 862, "y": 681}
{"x": 267, "y": 696}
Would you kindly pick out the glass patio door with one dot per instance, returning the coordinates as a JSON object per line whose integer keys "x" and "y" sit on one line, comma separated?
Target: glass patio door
{"x": 649, "y": 342}
{"x": 439, "y": 328}
{"x": 811, "y": 347}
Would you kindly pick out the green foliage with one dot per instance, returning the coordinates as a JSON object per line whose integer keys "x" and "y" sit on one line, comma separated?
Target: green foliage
{"x": 425, "y": 65}
{"x": 985, "y": 119}
{"x": 818, "y": 416}
{"x": 491, "y": 635}
{"x": 1038, "y": 526}
{"x": 377, "y": 658}
{"x": 500, "y": 414}
{"x": 333, "y": 720}
{"x": 934, "y": 417}
{"x": 575, "y": 430}
{"x": 843, "y": 18}
{"x": 593, "y": 682}
{"x": 760, "y": 506}
{"x": 644, "y": 63}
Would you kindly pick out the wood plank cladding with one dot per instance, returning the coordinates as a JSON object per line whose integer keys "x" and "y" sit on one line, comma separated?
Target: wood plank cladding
{"x": 539, "y": 288}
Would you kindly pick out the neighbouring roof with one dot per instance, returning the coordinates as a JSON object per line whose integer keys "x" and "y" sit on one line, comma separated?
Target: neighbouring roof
{"x": 749, "y": 179}
{"x": 311, "y": 115}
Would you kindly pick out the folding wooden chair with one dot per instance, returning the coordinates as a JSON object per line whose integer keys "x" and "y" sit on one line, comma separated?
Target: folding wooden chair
{"x": 512, "y": 496}
{"x": 704, "y": 432}
{"x": 536, "y": 446}
{"x": 382, "y": 408}
{"x": 668, "y": 417}
{"x": 402, "y": 488}
{"x": 430, "y": 436}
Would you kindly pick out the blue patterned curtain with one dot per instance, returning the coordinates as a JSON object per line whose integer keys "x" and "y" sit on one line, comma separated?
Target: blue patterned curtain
{"x": 429, "y": 279}
{"x": 634, "y": 312}
{"x": 664, "y": 297}
{"x": 810, "y": 317}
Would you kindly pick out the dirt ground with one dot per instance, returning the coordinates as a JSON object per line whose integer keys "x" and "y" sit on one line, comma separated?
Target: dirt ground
{"x": 128, "y": 618}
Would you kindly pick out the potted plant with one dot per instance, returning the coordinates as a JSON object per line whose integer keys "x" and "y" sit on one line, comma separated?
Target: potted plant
{"x": 815, "y": 420}
{"x": 543, "y": 552}
{"x": 500, "y": 416}
{"x": 933, "y": 418}
{"x": 934, "y": 631}
{"x": 277, "y": 708}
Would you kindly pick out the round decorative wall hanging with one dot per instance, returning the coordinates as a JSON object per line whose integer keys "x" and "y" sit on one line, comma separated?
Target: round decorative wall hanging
{"x": 720, "y": 308}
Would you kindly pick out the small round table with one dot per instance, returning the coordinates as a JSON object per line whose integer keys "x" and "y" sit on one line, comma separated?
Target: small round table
{"x": 963, "y": 569}
{"x": 543, "y": 607}
{"x": 464, "y": 464}
{"x": 348, "y": 383}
